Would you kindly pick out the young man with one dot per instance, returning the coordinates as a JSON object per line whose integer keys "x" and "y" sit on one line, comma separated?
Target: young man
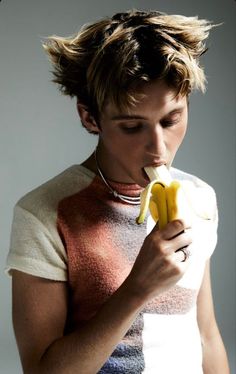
{"x": 93, "y": 292}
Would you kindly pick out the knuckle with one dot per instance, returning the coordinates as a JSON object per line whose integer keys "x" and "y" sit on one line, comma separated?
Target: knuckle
{"x": 182, "y": 224}
{"x": 178, "y": 271}
{"x": 166, "y": 262}
{"x": 155, "y": 241}
{"x": 176, "y": 268}
{"x": 151, "y": 237}
{"x": 179, "y": 223}
{"x": 169, "y": 262}
{"x": 162, "y": 249}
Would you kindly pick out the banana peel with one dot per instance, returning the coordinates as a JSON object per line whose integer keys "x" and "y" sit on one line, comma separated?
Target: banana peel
{"x": 165, "y": 203}
{"x": 144, "y": 202}
{"x": 167, "y": 199}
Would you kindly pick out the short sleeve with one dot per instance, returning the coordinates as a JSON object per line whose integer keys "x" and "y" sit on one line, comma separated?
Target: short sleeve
{"x": 36, "y": 247}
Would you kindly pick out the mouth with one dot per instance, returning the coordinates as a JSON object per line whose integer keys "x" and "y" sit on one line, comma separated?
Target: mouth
{"x": 154, "y": 165}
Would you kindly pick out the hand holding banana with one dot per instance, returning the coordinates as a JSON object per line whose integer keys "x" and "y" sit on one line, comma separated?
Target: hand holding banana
{"x": 161, "y": 262}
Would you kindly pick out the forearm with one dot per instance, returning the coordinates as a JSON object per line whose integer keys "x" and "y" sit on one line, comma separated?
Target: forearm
{"x": 39, "y": 327}
{"x": 214, "y": 356}
{"x": 88, "y": 348}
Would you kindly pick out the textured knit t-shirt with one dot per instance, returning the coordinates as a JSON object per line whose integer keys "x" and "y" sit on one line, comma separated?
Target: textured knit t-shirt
{"x": 72, "y": 229}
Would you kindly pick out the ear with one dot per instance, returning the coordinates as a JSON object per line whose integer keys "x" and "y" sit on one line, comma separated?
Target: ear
{"x": 87, "y": 119}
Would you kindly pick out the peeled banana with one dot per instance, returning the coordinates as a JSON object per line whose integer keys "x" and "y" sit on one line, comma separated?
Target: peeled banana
{"x": 163, "y": 197}
{"x": 169, "y": 199}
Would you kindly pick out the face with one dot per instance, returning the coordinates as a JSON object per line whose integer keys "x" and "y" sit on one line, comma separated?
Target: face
{"x": 149, "y": 134}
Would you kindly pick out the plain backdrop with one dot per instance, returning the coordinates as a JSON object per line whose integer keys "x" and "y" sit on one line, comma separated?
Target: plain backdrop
{"x": 40, "y": 132}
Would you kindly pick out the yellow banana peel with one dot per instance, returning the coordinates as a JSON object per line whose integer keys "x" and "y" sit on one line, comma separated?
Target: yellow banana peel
{"x": 163, "y": 202}
{"x": 168, "y": 199}
{"x": 159, "y": 200}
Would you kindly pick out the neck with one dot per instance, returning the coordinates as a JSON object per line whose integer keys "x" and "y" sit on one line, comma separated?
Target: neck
{"x": 127, "y": 199}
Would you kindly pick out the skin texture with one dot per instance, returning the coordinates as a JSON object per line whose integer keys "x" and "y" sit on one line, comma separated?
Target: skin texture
{"x": 40, "y": 305}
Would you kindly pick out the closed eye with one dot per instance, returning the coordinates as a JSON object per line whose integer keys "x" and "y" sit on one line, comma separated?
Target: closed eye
{"x": 171, "y": 120}
{"x": 132, "y": 129}
{"x": 170, "y": 123}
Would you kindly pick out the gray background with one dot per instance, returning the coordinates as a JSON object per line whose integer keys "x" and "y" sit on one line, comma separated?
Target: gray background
{"x": 40, "y": 133}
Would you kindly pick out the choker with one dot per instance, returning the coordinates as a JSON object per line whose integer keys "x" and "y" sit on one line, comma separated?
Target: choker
{"x": 134, "y": 200}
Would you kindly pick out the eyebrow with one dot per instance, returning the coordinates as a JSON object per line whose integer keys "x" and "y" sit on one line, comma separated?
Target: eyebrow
{"x": 136, "y": 116}
{"x": 127, "y": 116}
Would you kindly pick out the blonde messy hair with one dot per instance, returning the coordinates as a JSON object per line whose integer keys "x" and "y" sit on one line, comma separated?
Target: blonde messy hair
{"x": 112, "y": 57}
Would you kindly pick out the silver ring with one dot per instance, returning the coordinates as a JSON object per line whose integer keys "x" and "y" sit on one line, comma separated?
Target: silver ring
{"x": 186, "y": 253}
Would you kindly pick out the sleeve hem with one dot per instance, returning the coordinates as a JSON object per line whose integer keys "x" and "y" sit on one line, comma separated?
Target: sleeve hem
{"x": 34, "y": 267}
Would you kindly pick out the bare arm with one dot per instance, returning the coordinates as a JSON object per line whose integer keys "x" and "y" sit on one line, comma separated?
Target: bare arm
{"x": 40, "y": 309}
{"x": 214, "y": 354}
{"x": 39, "y": 316}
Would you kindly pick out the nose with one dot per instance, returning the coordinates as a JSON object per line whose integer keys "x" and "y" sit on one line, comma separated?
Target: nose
{"x": 156, "y": 142}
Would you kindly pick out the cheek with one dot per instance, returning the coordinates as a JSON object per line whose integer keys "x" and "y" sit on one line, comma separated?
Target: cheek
{"x": 181, "y": 134}
{"x": 118, "y": 140}
{"x": 182, "y": 129}
{"x": 178, "y": 137}
{"x": 116, "y": 144}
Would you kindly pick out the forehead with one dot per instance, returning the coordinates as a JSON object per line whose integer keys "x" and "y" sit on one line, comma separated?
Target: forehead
{"x": 152, "y": 97}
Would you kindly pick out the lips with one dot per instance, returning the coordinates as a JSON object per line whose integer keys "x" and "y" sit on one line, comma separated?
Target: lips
{"x": 154, "y": 165}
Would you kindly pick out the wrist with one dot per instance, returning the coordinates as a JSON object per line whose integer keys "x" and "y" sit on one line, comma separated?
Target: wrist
{"x": 134, "y": 294}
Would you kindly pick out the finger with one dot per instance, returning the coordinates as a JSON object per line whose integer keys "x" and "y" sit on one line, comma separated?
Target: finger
{"x": 182, "y": 254}
{"x": 180, "y": 241}
{"x": 175, "y": 228}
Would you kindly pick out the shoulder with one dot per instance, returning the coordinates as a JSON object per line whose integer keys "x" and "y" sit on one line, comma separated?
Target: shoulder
{"x": 47, "y": 196}
{"x": 36, "y": 246}
{"x": 187, "y": 177}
